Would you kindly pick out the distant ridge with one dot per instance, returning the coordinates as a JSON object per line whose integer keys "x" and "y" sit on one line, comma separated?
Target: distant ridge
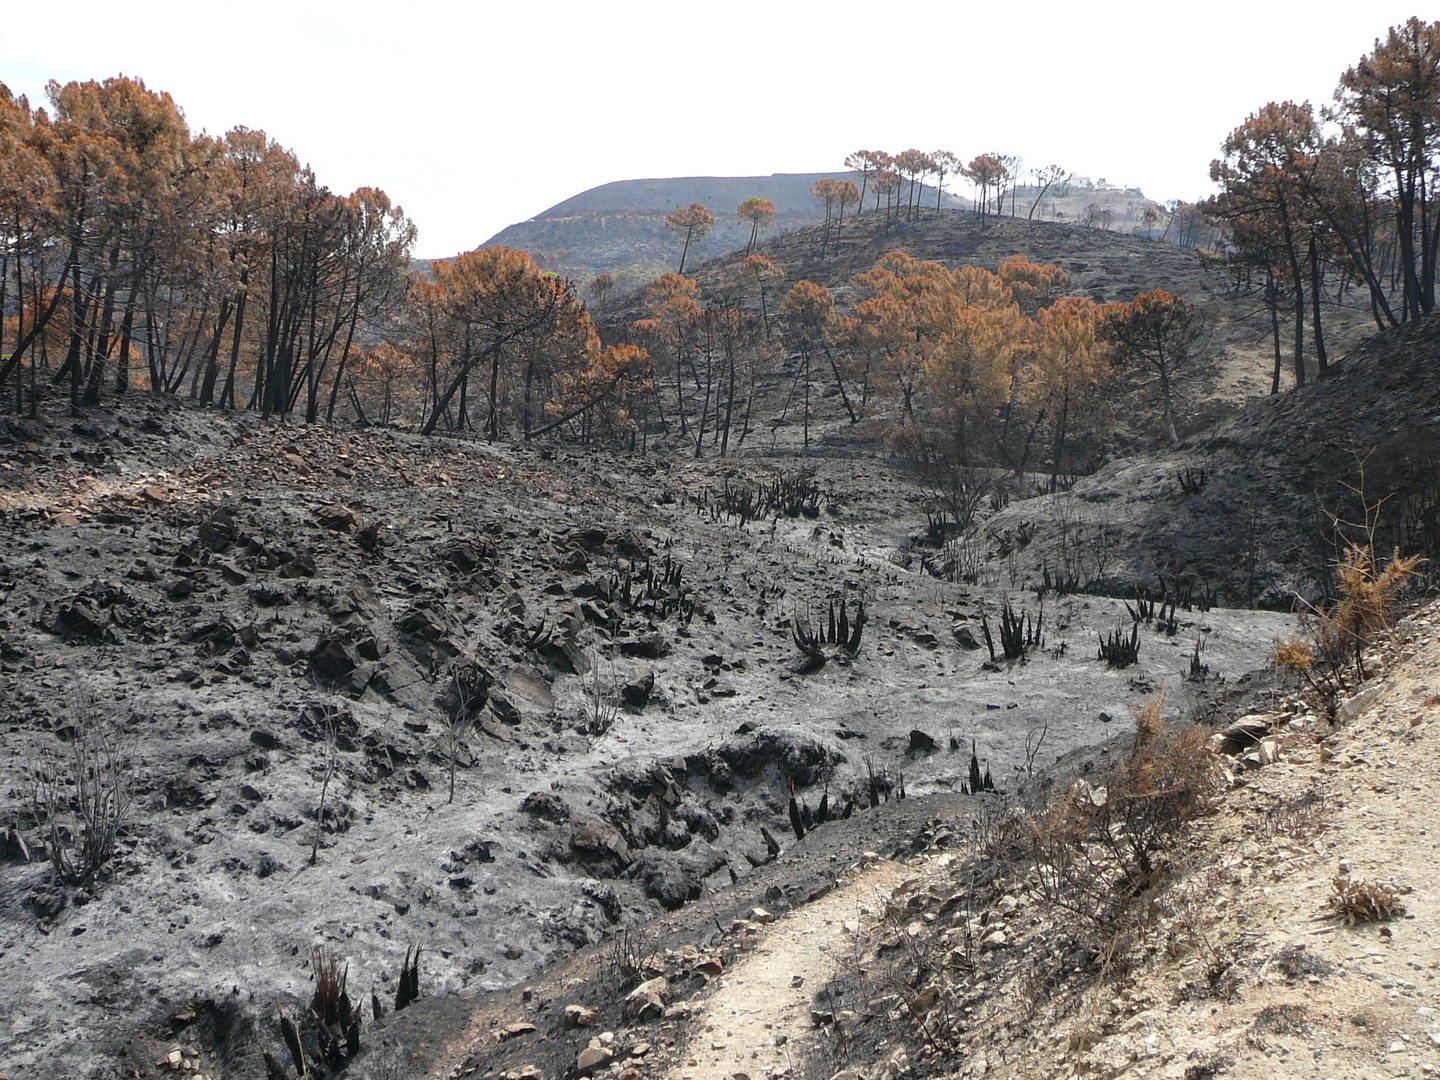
{"x": 790, "y": 192}
{"x": 619, "y": 228}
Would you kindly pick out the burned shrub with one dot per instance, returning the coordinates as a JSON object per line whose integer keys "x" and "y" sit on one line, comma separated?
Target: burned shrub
{"x": 1192, "y": 480}
{"x": 788, "y": 495}
{"x": 1018, "y": 633}
{"x": 407, "y": 987}
{"x": 1118, "y": 650}
{"x": 1098, "y": 845}
{"x": 839, "y": 629}
{"x": 82, "y": 798}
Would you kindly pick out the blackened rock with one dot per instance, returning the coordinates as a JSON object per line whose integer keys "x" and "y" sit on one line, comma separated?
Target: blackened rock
{"x": 675, "y": 878}
{"x": 218, "y": 532}
{"x": 429, "y": 635}
{"x": 81, "y": 619}
{"x": 355, "y": 606}
{"x": 529, "y": 690}
{"x": 337, "y": 518}
{"x": 214, "y": 636}
{"x": 368, "y": 536}
{"x": 922, "y": 743}
{"x": 462, "y": 555}
{"x": 722, "y": 777}
{"x": 594, "y": 539}
{"x": 632, "y": 546}
{"x": 13, "y": 846}
{"x": 649, "y": 647}
{"x": 504, "y": 709}
{"x": 465, "y": 691}
{"x": 966, "y": 638}
{"x": 318, "y": 722}
{"x": 801, "y": 757}
{"x": 267, "y": 596}
{"x": 298, "y": 567}
{"x": 265, "y": 740}
{"x": 567, "y": 656}
{"x": 232, "y": 574}
{"x": 547, "y": 807}
{"x": 47, "y": 903}
{"x": 601, "y": 848}
{"x": 428, "y": 632}
{"x": 636, "y": 693}
{"x": 333, "y": 659}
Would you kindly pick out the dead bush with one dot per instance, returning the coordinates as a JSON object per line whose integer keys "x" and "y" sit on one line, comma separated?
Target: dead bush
{"x": 82, "y": 797}
{"x": 1294, "y": 962}
{"x": 625, "y": 961}
{"x": 1282, "y": 1020}
{"x": 1098, "y": 846}
{"x": 1298, "y": 817}
{"x": 1331, "y": 656}
{"x": 1358, "y": 901}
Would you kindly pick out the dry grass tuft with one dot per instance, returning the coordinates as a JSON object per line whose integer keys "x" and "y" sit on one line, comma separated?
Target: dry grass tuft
{"x": 329, "y": 984}
{"x": 1358, "y": 901}
{"x": 1283, "y": 1019}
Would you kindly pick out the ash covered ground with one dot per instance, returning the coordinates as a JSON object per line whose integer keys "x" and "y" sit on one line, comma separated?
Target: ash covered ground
{"x": 248, "y": 607}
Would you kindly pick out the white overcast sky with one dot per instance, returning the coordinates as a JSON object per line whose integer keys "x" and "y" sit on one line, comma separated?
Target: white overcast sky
{"x": 475, "y": 116}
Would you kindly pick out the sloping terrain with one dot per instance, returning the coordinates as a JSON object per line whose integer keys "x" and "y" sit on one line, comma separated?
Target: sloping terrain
{"x": 619, "y": 228}
{"x": 275, "y": 626}
{"x": 1245, "y": 510}
{"x": 1234, "y": 359}
{"x": 943, "y": 956}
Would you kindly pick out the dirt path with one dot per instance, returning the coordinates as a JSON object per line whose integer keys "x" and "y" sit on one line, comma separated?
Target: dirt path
{"x": 758, "y": 1022}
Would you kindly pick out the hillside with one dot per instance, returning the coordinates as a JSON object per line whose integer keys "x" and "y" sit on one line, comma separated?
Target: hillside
{"x": 619, "y": 228}
{"x": 1255, "y": 523}
{"x": 295, "y": 637}
{"x": 246, "y": 609}
{"x": 1236, "y": 357}
{"x": 941, "y": 952}
{"x": 279, "y": 626}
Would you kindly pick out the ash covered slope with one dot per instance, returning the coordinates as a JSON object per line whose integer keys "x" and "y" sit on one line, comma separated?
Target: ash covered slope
{"x": 227, "y": 609}
{"x": 1258, "y": 529}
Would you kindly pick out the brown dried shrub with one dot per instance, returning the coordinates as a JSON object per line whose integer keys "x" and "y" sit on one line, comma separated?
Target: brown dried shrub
{"x": 1331, "y": 656}
{"x": 1358, "y": 901}
{"x": 1097, "y": 847}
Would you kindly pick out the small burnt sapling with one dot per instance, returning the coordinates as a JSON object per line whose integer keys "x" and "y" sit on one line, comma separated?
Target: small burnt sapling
{"x": 466, "y": 692}
{"x": 1120, "y": 650}
{"x": 407, "y": 988}
{"x": 331, "y": 762}
{"x": 83, "y": 799}
{"x": 1018, "y": 633}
